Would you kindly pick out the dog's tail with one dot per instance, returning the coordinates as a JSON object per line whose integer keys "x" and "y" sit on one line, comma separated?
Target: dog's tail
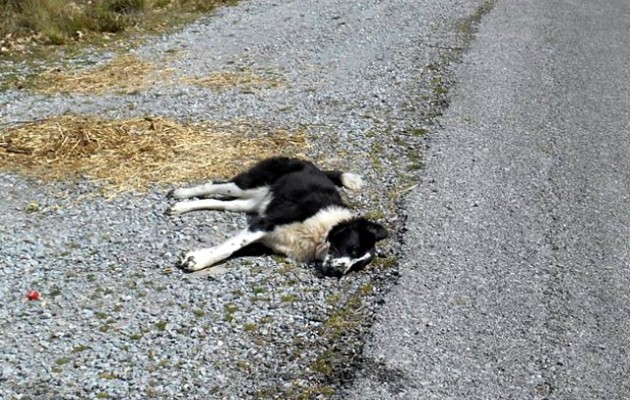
{"x": 346, "y": 179}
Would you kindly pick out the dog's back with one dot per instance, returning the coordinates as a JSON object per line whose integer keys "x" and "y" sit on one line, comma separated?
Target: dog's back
{"x": 298, "y": 189}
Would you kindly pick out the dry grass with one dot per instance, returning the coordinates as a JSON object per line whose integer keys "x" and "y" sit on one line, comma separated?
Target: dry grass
{"x": 137, "y": 153}
{"x": 128, "y": 74}
{"x": 125, "y": 74}
{"x": 225, "y": 80}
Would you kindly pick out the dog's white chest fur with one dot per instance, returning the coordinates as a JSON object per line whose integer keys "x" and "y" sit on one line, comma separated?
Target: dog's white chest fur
{"x": 304, "y": 241}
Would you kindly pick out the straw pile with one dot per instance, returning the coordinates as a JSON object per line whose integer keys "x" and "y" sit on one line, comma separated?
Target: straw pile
{"x": 125, "y": 74}
{"x": 136, "y": 153}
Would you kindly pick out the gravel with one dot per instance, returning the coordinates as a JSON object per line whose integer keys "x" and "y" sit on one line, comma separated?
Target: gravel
{"x": 115, "y": 319}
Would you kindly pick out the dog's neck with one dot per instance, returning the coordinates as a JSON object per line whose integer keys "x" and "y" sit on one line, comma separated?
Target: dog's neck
{"x": 307, "y": 240}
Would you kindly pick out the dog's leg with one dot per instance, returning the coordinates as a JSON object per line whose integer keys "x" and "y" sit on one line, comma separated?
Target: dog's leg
{"x": 204, "y": 258}
{"x": 239, "y": 205}
{"x": 345, "y": 179}
{"x": 228, "y": 189}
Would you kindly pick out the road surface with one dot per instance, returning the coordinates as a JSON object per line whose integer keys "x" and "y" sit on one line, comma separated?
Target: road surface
{"x": 516, "y": 277}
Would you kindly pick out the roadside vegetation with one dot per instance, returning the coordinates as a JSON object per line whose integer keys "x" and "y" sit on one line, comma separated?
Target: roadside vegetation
{"x": 27, "y": 26}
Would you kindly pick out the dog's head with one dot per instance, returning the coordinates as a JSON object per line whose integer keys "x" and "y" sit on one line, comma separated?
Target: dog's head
{"x": 350, "y": 246}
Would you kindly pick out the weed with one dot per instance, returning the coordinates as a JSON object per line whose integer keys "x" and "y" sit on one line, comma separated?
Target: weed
{"x": 385, "y": 262}
{"x": 161, "y": 325}
{"x": 107, "y": 375}
{"x": 418, "y": 132}
{"x": 80, "y": 348}
{"x": 243, "y": 365}
{"x": 375, "y": 215}
{"x": 366, "y": 289}
{"x": 286, "y": 268}
{"x": 231, "y": 308}
{"x": 32, "y": 207}
{"x": 322, "y": 364}
{"x": 376, "y": 154}
{"x": 288, "y": 298}
{"x": 62, "y": 361}
{"x": 259, "y": 290}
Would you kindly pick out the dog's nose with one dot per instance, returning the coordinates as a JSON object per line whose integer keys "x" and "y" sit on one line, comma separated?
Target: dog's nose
{"x": 327, "y": 268}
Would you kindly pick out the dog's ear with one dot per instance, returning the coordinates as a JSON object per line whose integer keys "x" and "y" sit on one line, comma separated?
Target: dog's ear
{"x": 377, "y": 229}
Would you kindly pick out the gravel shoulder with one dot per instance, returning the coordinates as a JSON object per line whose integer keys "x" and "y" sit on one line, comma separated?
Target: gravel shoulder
{"x": 364, "y": 79}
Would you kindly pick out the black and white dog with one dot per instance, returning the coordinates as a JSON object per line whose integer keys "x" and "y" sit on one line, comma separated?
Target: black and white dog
{"x": 297, "y": 211}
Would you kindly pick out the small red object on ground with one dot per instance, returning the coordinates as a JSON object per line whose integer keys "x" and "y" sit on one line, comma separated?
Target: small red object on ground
{"x": 32, "y": 295}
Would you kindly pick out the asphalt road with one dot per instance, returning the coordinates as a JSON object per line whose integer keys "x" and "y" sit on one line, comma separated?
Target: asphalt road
{"x": 516, "y": 281}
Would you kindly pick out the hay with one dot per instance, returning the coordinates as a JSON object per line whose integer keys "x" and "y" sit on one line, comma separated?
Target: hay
{"x": 138, "y": 153}
{"x": 125, "y": 74}
{"x": 226, "y": 80}
{"x": 129, "y": 74}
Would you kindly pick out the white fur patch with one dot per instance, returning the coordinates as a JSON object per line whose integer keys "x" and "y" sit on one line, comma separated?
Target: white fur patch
{"x": 303, "y": 241}
{"x": 199, "y": 259}
{"x": 254, "y": 200}
{"x": 351, "y": 181}
{"x": 228, "y": 189}
{"x": 345, "y": 263}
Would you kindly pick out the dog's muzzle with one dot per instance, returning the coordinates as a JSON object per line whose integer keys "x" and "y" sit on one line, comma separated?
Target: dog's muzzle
{"x": 340, "y": 266}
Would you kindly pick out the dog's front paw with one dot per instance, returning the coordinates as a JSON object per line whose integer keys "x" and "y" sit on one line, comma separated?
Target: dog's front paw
{"x": 179, "y": 194}
{"x": 351, "y": 181}
{"x": 175, "y": 209}
{"x": 188, "y": 262}
{"x": 199, "y": 259}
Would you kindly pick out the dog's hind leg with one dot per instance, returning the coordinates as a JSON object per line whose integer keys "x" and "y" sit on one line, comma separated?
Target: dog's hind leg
{"x": 345, "y": 179}
{"x": 252, "y": 205}
{"x": 204, "y": 258}
{"x": 227, "y": 189}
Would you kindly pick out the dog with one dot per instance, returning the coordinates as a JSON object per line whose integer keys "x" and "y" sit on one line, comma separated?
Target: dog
{"x": 297, "y": 211}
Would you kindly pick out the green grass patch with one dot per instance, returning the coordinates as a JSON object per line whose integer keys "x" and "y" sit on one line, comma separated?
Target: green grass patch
{"x": 107, "y": 376}
{"x": 59, "y": 22}
{"x": 288, "y": 298}
{"x": 385, "y": 262}
{"x": 418, "y": 132}
{"x": 80, "y": 348}
{"x": 375, "y": 215}
{"x": 161, "y": 325}
{"x": 231, "y": 308}
{"x": 62, "y": 361}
